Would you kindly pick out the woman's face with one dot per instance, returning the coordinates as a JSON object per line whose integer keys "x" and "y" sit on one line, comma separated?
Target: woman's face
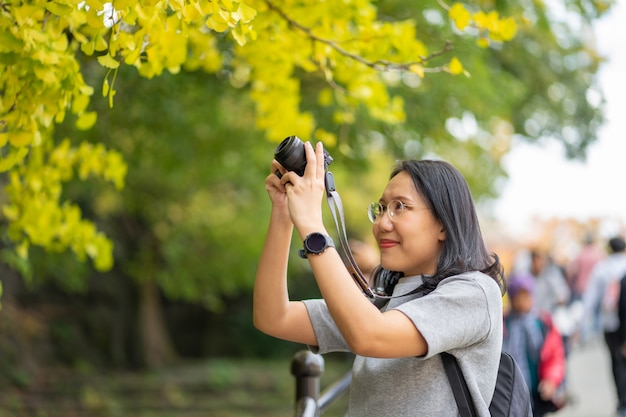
{"x": 412, "y": 242}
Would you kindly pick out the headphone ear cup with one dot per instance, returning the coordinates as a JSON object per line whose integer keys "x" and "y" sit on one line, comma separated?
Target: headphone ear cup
{"x": 384, "y": 280}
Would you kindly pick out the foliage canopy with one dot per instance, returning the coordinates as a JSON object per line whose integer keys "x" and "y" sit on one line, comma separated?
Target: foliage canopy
{"x": 315, "y": 69}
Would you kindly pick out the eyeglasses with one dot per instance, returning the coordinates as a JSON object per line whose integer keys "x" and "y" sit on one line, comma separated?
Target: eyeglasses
{"x": 394, "y": 208}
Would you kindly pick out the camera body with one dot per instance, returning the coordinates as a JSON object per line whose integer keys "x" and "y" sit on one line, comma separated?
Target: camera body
{"x": 290, "y": 154}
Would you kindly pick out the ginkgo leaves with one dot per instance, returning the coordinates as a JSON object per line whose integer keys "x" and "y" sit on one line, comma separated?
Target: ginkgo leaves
{"x": 38, "y": 216}
{"x": 490, "y": 25}
{"x": 267, "y": 46}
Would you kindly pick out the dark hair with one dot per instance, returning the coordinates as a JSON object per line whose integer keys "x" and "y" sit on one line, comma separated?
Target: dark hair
{"x": 617, "y": 244}
{"x": 447, "y": 194}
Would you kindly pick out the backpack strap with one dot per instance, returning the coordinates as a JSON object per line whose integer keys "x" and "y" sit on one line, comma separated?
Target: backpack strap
{"x": 460, "y": 390}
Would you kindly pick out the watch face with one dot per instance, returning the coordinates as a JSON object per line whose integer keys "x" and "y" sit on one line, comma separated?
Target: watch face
{"x": 316, "y": 242}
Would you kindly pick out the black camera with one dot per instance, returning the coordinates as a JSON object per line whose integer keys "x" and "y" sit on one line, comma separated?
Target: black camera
{"x": 290, "y": 154}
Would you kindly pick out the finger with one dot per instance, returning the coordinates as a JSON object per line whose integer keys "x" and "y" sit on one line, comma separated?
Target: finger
{"x": 319, "y": 155}
{"x": 288, "y": 177}
{"x": 277, "y": 169}
{"x": 273, "y": 182}
{"x": 311, "y": 162}
{"x": 288, "y": 188}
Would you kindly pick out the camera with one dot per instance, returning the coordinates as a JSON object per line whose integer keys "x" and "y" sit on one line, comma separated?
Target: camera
{"x": 290, "y": 154}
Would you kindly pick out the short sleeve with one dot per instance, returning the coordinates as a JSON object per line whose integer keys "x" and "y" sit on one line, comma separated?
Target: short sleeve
{"x": 462, "y": 311}
{"x": 328, "y": 336}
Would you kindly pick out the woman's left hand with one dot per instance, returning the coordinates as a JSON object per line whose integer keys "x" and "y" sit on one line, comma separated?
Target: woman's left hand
{"x": 305, "y": 193}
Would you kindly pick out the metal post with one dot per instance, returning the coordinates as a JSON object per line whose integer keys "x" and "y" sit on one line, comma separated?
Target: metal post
{"x": 307, "y": 368}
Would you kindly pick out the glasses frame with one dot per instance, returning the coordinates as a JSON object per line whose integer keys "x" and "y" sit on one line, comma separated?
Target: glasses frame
{"x": 385, "y": 208}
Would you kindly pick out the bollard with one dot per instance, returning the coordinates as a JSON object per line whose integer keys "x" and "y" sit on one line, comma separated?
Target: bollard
{"x": 307, "y": 368}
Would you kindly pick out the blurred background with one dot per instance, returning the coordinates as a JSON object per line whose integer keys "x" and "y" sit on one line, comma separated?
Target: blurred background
{"x": 537, "y": 129}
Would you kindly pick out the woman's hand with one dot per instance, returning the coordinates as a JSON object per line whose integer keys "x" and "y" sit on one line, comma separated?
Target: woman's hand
{"x": 275, "y": 187}
{"x": 305, "y": 193}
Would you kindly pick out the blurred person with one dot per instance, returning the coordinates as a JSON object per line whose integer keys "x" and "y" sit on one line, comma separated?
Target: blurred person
{"x": 578, "y": 273}
{"x": 552, "y": 294}
{"x": 579, "y": 269}
{"x": 535, "y": 343}
{"x": 602, "y": 297}
{"x": 551, "y": 287}
{"x": 448, "y": 289}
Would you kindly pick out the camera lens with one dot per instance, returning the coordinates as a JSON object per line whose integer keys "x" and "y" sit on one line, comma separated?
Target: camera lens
{"x": 290, "y": 154}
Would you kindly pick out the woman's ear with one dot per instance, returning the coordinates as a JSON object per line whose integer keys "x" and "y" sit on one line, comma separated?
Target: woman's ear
{"x": 443, "y": 235}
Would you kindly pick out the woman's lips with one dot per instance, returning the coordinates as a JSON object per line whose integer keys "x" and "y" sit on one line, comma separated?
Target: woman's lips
{"x": 387, "y": 243}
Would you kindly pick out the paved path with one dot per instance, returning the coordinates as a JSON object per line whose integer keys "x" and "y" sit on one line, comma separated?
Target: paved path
{"x": 590, "y": 382}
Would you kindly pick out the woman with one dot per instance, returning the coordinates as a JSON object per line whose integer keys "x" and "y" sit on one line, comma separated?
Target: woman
{"x": 427, "y": 232}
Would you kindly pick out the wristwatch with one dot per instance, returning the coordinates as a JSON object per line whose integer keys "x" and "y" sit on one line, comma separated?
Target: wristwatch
{"x": 315, "y": 243}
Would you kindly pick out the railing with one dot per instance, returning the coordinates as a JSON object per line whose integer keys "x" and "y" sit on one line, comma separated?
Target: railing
{"x": 308, "y": 367}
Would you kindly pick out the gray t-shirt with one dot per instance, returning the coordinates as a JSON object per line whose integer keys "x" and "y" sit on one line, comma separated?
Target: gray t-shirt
{"x": 462, "y": 316}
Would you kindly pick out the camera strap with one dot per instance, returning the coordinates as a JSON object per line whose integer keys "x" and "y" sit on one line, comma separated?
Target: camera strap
{"x": 336, "y": 208}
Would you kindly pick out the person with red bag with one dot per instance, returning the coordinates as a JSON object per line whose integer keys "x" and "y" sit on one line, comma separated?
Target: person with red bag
{"x": 537, "y": 346}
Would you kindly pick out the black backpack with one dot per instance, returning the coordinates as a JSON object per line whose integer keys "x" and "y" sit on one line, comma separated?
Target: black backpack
{"x": 511, "y": 397}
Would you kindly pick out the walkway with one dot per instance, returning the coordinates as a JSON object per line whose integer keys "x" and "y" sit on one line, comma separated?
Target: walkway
{"x": 590, "y": 382}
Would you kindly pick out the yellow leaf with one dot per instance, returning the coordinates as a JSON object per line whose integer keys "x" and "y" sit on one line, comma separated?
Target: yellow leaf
{"x": 111, "y": 94}
{"x": 245, "y": 12}
{"x": 58, "y": 9}
{"x": 86, "y": 90}
{"x": 101, "y": 43}
{"x": 482, "y": 42}
{"x": 507, "y": 29}
{"x": 123, "y": 4}
{"x": 19, "y": 139}
{"x": 216, "y": 24}
{"x": 108, "y": 61}
{"x": 80, "y": 103}
{"x": 8, "y": 42}
{"x": 14, "y": 157}
{"x": 22, "y": 249}
{"x": 60, "y": 44}
{"x": 11, "y": 212}
{"x": 455, "y": 66}
{"x": 239, "y": 37}
{"x": 116, "y": 169}
{"x": 417, "y": 69}
{"x": 46, "y": 74}
{"x": 86, "y": 120}
{"x": 459, "y": 14}
{"x": 88, "y": 48}
{"x": 190, "y": 12}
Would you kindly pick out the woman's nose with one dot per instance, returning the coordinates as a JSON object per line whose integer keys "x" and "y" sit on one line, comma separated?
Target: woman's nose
{"x": 385, "y": 222}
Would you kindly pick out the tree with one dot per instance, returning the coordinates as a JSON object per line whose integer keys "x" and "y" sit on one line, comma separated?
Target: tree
{"x": 344, "y": 73}
{"x": 342, "y": 44}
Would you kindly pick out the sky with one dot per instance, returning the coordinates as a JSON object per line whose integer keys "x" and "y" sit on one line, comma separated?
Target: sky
{"x": 543, "y": 184}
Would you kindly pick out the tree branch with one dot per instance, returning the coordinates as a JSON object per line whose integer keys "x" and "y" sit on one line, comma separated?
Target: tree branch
{"x": 379, "y": 65}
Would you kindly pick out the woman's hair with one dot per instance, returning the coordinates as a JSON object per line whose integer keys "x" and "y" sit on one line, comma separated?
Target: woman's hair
{"x": 447, "y": 194}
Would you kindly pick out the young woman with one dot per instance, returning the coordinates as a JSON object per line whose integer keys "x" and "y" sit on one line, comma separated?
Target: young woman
{"x": 427, "y": 231}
